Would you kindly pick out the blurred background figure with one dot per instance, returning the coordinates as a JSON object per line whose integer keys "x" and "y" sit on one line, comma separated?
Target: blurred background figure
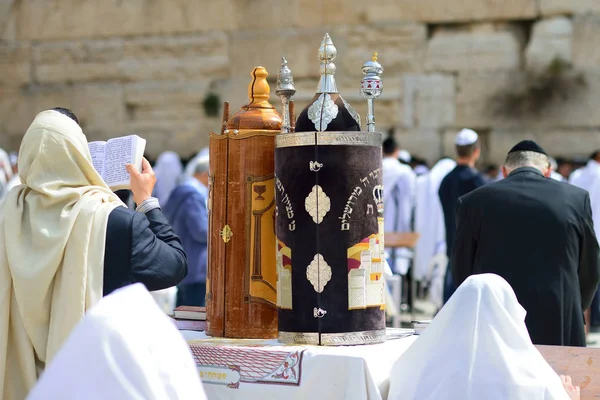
{"x": 398, "y": 200}
{"x": 168, "y": 170}
{"x": 188, "y": 214}
{"x": 555, "y": 175}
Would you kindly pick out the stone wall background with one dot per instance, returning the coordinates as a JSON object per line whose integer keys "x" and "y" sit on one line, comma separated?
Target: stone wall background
{"x": 146, "y": 66}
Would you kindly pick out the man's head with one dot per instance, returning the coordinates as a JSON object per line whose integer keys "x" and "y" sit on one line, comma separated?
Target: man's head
{"x": 67, "y": 112}
{"x": 201, "y": 170}
{"x": 595, "y": 156}
{"x": 527, "y": 154}
{"x": 390, "y": 147}
{"x": 468, "y": 149}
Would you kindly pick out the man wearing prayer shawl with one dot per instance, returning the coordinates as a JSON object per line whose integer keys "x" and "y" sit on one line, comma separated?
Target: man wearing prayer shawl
{"x": 477, "y": 347}
{"x": 124, "y": 348}
{"x": 429, "y": 223}
{"x": 65, "y": 241}
{"x": 460, "y": 181}
{"x": 538, "y": 234}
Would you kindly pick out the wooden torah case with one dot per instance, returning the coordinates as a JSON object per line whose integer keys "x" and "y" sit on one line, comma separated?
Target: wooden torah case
{"x": 330, "y": 245}
{"x": 241, "y": 281}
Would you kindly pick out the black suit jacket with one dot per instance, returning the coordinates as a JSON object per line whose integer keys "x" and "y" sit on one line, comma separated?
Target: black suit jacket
{"x": 538, "y": 234}
{"x": 142, "y": 248}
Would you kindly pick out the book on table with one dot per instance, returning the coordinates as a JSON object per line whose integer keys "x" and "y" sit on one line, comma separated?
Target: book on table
{"x": 111, "y": 157}
{"x": 189, "y": 312}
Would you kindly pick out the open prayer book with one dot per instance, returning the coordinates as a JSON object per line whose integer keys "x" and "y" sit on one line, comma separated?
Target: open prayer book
{"x": 111, "y": 157}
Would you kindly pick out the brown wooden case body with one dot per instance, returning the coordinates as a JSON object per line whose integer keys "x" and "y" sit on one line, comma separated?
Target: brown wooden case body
{"x": 242, "y": 171}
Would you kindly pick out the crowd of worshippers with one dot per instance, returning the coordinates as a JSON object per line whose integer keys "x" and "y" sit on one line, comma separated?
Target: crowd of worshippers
{"x": 529, "y": 225}
{"x": 76, "y": 265}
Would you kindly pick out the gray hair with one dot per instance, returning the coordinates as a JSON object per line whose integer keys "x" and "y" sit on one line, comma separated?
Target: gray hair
{"x": 201, "y": 165}
{"x": 533, "y": 159}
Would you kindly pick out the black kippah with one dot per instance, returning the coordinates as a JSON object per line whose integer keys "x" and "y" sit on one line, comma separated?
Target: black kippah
{"x": 527, "y": 145}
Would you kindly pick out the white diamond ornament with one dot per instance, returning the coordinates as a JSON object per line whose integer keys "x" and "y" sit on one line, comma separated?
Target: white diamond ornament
{"x": 318, "y": 273}
{"x": 317, "y": 204}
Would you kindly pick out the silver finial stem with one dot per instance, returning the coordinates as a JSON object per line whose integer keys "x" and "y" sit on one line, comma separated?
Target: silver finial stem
{"x": 285, "y": 90}
{"x": 327, "y": 53}
{"x": 371, "y": 87}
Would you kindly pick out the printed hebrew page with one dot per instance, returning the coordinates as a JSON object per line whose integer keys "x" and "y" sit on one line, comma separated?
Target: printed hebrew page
{"x": 118, "y": 153}
{"x": 97, "y": 152}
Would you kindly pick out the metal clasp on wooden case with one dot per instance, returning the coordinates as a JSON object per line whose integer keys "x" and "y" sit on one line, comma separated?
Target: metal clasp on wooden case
{"x": 226, "y": 233}
{"x": 319, "y": 312}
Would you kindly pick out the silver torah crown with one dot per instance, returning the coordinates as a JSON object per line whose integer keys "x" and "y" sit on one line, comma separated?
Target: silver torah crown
{"x": 371, "y": 85}
{"x": 327, "y": 53}
{"x": 285, "y": 90}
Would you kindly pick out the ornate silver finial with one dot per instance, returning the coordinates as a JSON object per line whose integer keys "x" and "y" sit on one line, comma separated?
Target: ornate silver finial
{"x": 285, "y": 90}
{"x": 327, "y": 53}
{"x": 371, "y": 87}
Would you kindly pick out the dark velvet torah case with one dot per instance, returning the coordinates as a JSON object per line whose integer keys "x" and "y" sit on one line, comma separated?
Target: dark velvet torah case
{"x": 330, "y": 244}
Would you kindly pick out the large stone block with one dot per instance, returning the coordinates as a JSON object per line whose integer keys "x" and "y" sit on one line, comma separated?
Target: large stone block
{"x": 141, "y": 94}
{"x": 423, "y": 143}
{"x": 134, "y": 59}
{"x": 557, "y": 142}
{"x": 451, "y": 11}
{"x": 15, "y": 64}
{"x": 586, "y": 53}
{"x": 485, "y": 100}
{"x": 429, "y": 101}
{"x": 67, "y": 19}
{"x": 249, "y": 49}
{"x": 8, "y": 20}
{"x": 558, "y": 7}
{"x": 400, "y": 47}
{"x": 551, "y": 39}
{"x": 483, "y": 47}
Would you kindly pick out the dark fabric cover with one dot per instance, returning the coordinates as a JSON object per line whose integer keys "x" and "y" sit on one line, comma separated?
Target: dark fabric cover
{"x": 343, "y": 168}
{"x": 538, "y": 234}
{"x": 343, "y": 122}
{"x": 141, "y": 249}
{"x": 527, "y": 145}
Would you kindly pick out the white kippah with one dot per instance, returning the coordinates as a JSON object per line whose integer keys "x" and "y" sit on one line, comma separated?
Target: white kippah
{"x": 466, "y": 137}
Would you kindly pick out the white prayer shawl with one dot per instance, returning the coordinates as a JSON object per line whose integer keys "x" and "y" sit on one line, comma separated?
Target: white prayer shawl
{"x": 52, "y": 238}
{"x": 429, "y": 217}
{"x": 168, "y": 170}
{"x": 398, "y": 188}
{"x": 477, "y": 347}
{"x": 125, "y": 348}
{"x": 191, "y": 165}
{"x": 588, "y": 178}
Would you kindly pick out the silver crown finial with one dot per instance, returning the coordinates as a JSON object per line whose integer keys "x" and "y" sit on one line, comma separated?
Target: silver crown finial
{"x": 371, "y": 87}
{"x": 285, "y": 90}
{"x": 327, "y": 54}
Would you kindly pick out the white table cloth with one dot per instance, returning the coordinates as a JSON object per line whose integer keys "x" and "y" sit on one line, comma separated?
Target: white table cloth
{"x": 266, "y": 369}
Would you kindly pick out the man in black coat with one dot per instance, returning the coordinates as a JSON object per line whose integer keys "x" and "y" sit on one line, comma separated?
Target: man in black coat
{"x": 538, "y": 234}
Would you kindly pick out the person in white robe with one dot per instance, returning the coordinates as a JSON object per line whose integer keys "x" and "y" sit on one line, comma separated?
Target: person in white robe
{"x": 6, "y": 173}
{"x": 429, "y": 223}
{"x": 555, "y": 175}
{"x": 477, "y": 347}
{"x": 124, "y": 348}
{"x": 168, "y": 170}
{"x": 398, "y": 199}
{"x": 588, "y": 178}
